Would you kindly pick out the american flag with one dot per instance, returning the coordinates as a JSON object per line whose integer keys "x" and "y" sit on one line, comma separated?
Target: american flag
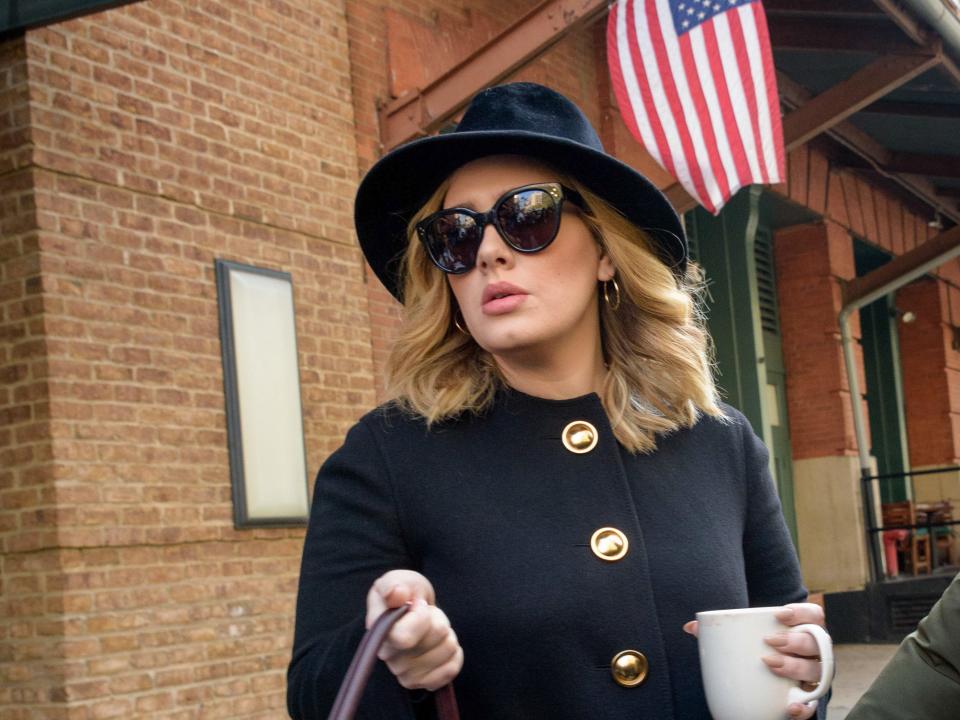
{"x": 695, "y": 83}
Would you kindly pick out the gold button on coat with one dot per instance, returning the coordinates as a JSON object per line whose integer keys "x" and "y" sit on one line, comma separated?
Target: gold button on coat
{"x": 580, "y": 437}
{"x": 629, "y": 668}
{"x": 609, "y": 544}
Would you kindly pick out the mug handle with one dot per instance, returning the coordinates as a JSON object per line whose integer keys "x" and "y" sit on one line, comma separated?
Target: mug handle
{"x": 825, "y": 648}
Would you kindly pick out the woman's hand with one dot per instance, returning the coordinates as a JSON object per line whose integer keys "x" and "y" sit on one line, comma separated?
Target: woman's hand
{"x": 796, "y": 655}
{"x": 421, "y": 650}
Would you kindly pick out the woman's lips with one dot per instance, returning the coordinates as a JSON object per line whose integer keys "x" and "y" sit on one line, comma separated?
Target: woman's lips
{"x": 502, "y": 305}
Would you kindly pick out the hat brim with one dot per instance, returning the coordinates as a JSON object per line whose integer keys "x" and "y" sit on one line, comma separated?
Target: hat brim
{"x": 399, "y": 184}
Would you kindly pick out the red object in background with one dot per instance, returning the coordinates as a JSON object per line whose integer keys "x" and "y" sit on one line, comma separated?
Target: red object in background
{"x": 890, "y": 540}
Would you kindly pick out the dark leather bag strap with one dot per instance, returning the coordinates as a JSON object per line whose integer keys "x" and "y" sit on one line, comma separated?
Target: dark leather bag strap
{"x": 351, "y": 690}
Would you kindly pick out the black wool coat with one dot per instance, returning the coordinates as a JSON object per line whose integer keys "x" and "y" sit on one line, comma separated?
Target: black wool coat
{"x": 499, "y": 515}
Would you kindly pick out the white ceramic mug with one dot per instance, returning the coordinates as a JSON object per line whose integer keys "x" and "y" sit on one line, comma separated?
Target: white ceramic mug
{"x": 738, "y": 684}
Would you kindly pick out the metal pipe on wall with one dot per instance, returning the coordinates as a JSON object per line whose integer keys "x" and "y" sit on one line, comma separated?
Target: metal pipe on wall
{"x": 941, "y": 19}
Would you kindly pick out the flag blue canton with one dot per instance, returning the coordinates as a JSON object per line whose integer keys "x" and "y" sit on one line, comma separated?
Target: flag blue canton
{"x": 688, "y": 14}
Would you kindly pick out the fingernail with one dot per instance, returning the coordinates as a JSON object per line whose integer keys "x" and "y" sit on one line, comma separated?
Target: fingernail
{"x": 777, "y": 640}
{"x": 420, "y": 602}
{"x": 774, "y": 661}
{"x": 786, "y": 614}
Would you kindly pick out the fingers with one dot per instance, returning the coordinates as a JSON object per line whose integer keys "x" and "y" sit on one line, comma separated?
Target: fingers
{"x": 799, "y": 613}
{"x": 692, "y": 627}
{"x": 393, "y": 589}
{"x": 432, "y": 669}
{"x": 802, "y": 711}
{"x": 422, "y": 650}
{"x": 797, "y": 643}
{"x": 800, "y": 669}
{"x": 417, "y": 632}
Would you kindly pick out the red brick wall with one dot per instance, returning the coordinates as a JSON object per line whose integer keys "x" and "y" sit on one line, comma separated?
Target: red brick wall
{"x": 811, "y": 262}
{"x": 31, "y": 627}
{"x": 929, "y": 365}
{"x": 931, "y": 381}
{"x": 166, "y": 133}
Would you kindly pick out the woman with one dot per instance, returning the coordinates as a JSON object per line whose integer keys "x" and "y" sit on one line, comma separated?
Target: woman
{"x": 556, "y": 487}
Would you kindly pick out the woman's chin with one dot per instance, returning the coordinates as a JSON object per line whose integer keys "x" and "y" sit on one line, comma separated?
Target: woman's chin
{"x": 513, "y": 344}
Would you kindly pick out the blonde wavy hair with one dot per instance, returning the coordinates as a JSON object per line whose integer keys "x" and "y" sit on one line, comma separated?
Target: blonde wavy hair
{"x": 658, "y": 354}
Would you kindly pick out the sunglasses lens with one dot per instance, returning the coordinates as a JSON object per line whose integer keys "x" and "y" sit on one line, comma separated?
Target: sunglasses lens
{"x": 529, "y": 219}
{"x": 453, "y": 241}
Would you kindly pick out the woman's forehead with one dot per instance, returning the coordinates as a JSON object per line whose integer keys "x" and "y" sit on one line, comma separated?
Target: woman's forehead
{"x": 479, "y": 183}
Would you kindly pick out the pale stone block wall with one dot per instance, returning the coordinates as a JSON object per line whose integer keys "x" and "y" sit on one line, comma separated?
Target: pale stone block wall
{"x": 833, "y": 549}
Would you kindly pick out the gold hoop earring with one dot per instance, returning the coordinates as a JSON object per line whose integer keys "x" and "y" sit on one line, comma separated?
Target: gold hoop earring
{"x": 456, "y": 322}
{"x": 615, "y": 303}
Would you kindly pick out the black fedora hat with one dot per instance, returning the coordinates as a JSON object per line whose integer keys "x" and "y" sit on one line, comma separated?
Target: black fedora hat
{"x": 514, "y": 119}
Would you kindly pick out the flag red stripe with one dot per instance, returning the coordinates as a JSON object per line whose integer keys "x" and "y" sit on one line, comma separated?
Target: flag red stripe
{"x": 746, "y": 79}
{"x": 770, "y": 78}
{"x": 670, "y": 88}
{"x": 648, "y": 106}
{"x": 726, "y": 108}
{"x": 703, "y": 112}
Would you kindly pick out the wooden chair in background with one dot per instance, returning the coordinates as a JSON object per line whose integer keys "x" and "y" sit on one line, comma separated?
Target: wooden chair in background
{"x": 914, "y": 546}
{"x": 942, "y": 535}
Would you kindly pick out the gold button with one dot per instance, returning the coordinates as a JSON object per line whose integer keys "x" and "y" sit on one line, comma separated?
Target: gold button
{"x": 610, "y": 544}
{"x": 580, "y": 437}
{"x": 629, "y": 668}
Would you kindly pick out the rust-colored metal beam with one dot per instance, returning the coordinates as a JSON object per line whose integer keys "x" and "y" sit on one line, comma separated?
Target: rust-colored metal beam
{"x": 816, "y": 34}
{"x": 834, "y": 8}
{"x": 912, "y": 109}
{"x": 921, "y": 164}
{"x": 942, "y": 247}
{"x": 425, "y": 110}
{"x": 848, "y": 96}
{"x": 681, "y": 200}
{"x": 914, "y": 30}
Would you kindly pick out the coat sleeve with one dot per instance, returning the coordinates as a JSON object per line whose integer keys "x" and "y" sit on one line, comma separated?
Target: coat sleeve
{"x": 922, "y": 680}
{"x": 773, "y": 571}
{"x": 353, "y": 537}
{"x": 772, "y": 567}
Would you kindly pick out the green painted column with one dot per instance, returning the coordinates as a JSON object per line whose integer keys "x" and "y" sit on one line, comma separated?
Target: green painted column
{"x": 725, "y": 244}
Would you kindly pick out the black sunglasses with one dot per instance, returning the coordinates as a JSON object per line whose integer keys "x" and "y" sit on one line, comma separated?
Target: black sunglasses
{"x": 527, "y": 218}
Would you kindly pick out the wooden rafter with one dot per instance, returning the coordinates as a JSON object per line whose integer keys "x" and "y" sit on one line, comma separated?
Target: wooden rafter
{"x": 857, "y": 91}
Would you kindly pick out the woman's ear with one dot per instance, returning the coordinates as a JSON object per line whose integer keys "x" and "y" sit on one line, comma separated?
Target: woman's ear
{"x": 605, "y": 268}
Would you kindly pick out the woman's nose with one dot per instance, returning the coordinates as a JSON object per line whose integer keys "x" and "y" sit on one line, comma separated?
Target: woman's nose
{"x": 493, "y": 250}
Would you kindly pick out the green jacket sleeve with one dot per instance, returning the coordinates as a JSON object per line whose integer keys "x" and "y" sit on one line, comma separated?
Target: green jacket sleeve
{"x": 922, "y": 680}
